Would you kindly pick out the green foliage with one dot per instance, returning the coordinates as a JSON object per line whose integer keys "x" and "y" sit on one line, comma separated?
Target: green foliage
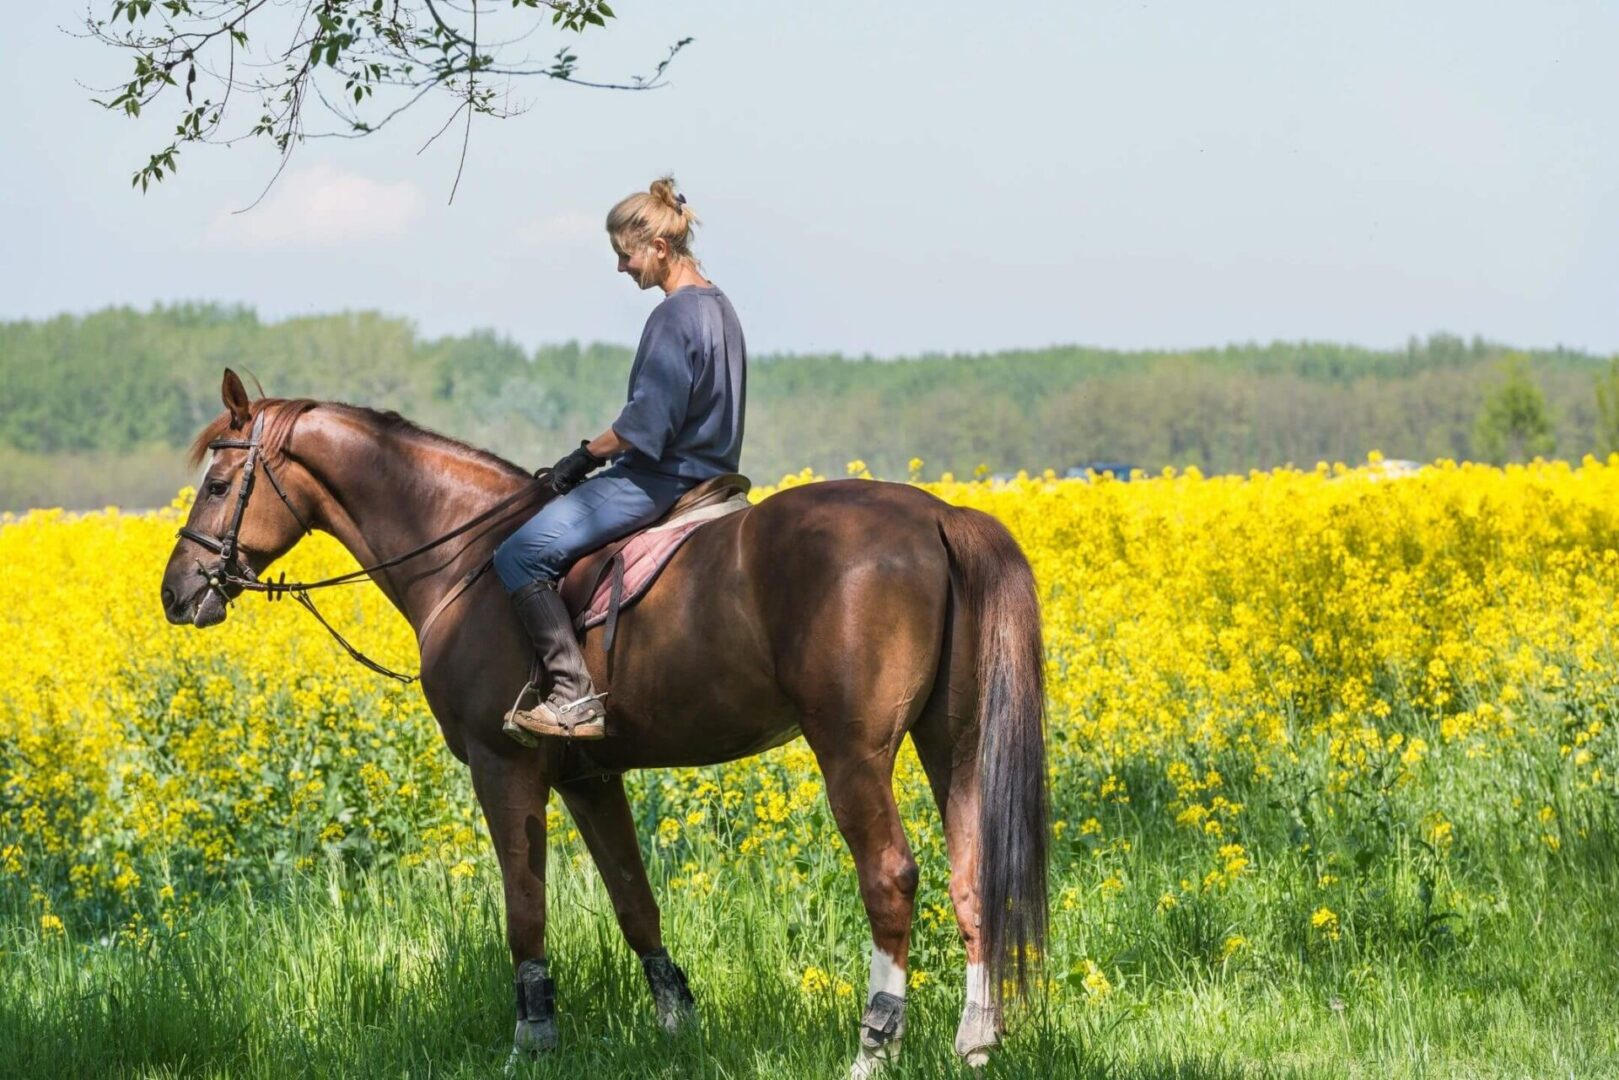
{"x": 98, "y": 407}
{"x": 1514, "y": 423}
{"x": 1607, "y": 399}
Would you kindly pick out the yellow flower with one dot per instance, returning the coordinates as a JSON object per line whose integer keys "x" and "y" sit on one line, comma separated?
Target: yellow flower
{"x": 1325, "y": 920}
{"x": 1441, "y": 833}
{"x": 814, "y": 981}
{"x": 1266, "y": 623}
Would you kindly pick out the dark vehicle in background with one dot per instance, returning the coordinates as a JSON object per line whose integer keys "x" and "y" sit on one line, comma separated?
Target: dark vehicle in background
{"x": 1118, "y": 470}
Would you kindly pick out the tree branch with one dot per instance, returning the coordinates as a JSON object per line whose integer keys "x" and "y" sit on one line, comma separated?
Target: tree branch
{"x": 346, "y": 55}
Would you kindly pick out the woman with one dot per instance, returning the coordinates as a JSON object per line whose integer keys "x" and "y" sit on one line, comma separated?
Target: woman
{"x": 682, "y": 424}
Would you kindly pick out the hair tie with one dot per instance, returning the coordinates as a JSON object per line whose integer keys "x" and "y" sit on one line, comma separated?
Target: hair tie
{"x": 680, "y": 200}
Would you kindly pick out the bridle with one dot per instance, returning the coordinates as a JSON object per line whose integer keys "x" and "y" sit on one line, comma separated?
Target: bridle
{"x": 235, "y": 573}
{"x": 231, "y": 571}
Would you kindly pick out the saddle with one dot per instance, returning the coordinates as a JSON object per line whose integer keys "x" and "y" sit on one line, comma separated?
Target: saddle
{"x": 614, "y": 576}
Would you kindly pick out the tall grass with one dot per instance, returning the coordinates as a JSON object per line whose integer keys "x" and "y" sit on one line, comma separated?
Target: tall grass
{"x": 405, "y": 972}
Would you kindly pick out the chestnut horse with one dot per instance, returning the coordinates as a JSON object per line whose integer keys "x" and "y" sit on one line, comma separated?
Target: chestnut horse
{"x": 852, "y": 612}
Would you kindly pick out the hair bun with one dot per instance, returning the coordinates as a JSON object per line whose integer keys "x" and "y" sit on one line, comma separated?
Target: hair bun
{"x": 659, "y": 211}
{"x": 663, "y": 189}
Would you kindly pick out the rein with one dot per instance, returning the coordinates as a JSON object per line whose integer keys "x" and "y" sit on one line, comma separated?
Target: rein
{"x": 232, "y": 573}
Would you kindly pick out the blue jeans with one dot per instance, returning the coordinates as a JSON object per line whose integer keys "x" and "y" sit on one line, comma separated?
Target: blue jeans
{"x": 611, "y": 504}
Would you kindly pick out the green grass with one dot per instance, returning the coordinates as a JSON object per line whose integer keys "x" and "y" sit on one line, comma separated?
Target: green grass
{"x": 392, "y": 972}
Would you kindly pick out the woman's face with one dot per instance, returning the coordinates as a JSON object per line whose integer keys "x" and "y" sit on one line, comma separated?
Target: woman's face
{"x": 645, "y": 264}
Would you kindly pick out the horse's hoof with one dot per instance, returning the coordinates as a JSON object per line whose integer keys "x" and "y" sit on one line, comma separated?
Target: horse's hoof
{"x": 671, "y": 997}
{"x": 979, "y": 1033}
{"x": 870, "y": 1062}
{"x": 882, "y": 1029}
{"x": 533, "y": 1038}
{"x": 536, "y": 1013}
{"x": 680, "y": 1018}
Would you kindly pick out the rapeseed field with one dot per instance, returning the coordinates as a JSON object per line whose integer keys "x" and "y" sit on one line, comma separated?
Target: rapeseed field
{"x": 1334, "y": 778}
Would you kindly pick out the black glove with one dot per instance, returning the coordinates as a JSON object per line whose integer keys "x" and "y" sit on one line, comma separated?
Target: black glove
{"x": 573, "y": 467}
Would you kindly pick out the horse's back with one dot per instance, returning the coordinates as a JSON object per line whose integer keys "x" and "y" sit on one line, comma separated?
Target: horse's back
{"x": 754, "y": 613}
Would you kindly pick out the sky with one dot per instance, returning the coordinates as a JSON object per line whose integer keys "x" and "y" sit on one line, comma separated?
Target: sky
{"x": 890, "y": 179}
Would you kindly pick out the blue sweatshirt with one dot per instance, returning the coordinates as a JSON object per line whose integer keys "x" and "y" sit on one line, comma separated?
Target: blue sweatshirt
{"x": 688, "y": 388}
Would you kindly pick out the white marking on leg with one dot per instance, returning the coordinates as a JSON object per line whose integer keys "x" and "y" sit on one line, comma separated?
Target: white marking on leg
{"x": 887, "y": 977}
{"x": 977, "y": 985}
{"x": 980, "y": 1024}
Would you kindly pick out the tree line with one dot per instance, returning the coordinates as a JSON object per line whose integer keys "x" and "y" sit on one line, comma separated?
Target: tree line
{"x": 95, "y": 409}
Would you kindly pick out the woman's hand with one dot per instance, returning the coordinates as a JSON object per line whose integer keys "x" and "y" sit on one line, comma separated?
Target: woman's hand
{"x": 570, "y": 470}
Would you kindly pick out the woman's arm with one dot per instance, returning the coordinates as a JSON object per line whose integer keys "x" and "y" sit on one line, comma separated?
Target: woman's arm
{"x": 607, "y": 445}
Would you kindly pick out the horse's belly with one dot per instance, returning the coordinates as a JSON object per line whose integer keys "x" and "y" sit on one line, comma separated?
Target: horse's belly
{"x": 689, "y": 686}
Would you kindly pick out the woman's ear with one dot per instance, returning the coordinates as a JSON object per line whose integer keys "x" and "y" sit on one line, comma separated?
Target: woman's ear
{"x": 660, "y": 247}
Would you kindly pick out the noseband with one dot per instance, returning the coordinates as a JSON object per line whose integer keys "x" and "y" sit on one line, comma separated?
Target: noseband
{"x": 232, "y": 570}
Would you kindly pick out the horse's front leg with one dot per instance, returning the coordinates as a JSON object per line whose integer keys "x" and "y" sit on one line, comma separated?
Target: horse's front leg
{"x": 512, "y": 791}
{"x": 602, "y": 813}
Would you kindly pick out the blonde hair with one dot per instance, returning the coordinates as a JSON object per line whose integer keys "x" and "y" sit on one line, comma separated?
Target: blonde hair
{"x": 641, "y": 218}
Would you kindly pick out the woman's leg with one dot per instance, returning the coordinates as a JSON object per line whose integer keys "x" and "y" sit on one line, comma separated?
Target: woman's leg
{"x": 611, "y": 504}
{"x": 532, "y": 561}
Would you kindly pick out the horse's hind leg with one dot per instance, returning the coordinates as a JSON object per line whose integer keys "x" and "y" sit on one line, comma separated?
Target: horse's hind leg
{"x": 862, "y": 799}
{"x": 946, "y": 738}
{"x": 855, "y": 724}
{"x": 602, "y": 813}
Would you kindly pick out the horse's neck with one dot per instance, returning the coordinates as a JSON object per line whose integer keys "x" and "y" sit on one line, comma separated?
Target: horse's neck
{"x": 381, "y": 505}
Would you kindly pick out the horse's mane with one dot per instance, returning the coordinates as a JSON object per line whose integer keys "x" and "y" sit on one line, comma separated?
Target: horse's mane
{"x": 288, "y": 409}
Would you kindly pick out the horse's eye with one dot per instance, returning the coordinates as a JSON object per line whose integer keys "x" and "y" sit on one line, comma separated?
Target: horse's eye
{"x": 217, "y": 488}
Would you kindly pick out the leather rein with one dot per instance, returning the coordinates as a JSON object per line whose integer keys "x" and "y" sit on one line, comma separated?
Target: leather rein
{"x": 233, "y": 573}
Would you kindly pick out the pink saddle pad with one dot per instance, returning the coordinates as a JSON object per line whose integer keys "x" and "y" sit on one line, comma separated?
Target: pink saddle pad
{"x": 644, "y": 556}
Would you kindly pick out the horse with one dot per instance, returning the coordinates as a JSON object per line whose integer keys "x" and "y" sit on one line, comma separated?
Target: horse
{"x": 851, "y": 612}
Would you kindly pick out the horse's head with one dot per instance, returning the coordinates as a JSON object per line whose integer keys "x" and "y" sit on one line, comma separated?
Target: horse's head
{"x": 238, "y": 525}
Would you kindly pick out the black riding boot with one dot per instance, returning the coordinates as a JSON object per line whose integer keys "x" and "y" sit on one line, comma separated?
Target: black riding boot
{"x": 572, "y": 708}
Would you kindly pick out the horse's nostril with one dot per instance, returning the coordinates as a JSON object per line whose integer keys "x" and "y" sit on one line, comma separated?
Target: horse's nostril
{"x": 168, "y": 598}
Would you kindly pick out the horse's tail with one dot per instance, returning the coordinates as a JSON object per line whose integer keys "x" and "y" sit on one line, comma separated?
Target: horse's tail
{"x": 997, "y": 586}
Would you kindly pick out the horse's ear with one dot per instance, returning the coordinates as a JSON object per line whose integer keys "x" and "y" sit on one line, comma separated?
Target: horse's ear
{"x": 234, "y": 394}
